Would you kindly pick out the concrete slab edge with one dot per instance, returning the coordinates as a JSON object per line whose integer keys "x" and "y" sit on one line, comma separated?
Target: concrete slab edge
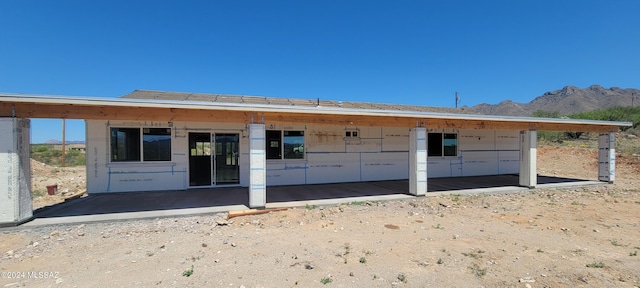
{"x": 336, "y": 201}
{"x": 132, "y": 215}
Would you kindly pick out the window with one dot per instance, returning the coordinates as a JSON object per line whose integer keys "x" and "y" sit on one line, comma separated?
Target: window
{"x": 442, "y": 144}
{"x": 351, "y": 134}
{"x": 156, "y": 144}
{"x": 450, "y": 144}
{"x": 293, "y": 147}
{"x": 434, "y": 142}
{"x": 293, "y": 144}
{"x": 274, "y": 150}
{"x": 125, "y": 144}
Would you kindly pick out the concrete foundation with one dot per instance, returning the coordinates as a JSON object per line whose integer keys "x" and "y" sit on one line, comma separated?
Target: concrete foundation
{"x": 15, "y": 172}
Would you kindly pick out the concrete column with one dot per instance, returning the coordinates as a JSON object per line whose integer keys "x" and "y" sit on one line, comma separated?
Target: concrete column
{"x": 607, "y": 157}
{"x": 257, "y": 166}
{"x": 15, "y": 172}
{"x": 528, "y": 154}
{"x": 418, "y": 161}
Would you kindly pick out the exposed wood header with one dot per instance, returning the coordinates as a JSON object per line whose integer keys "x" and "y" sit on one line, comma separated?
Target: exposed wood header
{"x": 106, "y": 110}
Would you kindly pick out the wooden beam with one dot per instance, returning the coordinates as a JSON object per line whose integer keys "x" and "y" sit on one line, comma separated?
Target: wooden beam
{"x": 123, "y": 113}
{"x": 70, "y": 111}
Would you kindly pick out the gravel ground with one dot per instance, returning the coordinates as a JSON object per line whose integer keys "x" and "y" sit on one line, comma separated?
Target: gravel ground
{"x": 578, "y": 237}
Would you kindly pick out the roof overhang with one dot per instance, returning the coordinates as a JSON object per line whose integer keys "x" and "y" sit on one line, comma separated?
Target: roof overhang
{"x": 97, "y": 108}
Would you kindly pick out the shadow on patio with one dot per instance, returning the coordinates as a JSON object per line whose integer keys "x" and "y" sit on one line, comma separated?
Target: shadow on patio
{"x": 195, "y": 201}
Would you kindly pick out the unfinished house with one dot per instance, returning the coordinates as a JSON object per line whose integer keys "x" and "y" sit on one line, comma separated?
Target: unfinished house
{"x": 154, "y": 140}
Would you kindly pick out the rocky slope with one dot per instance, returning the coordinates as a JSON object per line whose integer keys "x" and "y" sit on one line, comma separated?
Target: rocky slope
{"x": 567, "y": 100}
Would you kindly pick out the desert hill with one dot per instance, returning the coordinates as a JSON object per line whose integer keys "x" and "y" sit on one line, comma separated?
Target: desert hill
{"x": 565, "y": 101}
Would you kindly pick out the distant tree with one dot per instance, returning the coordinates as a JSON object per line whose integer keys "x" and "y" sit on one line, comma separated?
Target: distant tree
{"x": 625, "y": 114}
{"x": 573, "y": 135}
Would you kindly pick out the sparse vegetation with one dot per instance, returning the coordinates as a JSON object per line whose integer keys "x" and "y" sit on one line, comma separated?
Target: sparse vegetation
{"x": 619, "y": 113}
{"x": 188, "y": 272}
{"x": 623, "y": 114}
{"x": 596, "y": 265}
{"x": 37, "y": 193}
{"x": 634, "y": 253}
{"x": 479, "y": 272}
{"x": 474, "y": 254}
{"x": 326, "y": 280}
{"x": 440, "y": 261}
{"x": 347, "y": 249}
{"x": 47, "y": 154}
{"x": 363, "y": 260}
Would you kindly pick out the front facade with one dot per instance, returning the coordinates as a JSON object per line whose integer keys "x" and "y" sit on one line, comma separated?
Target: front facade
{"x": 127, "y": 156}
{"x": 153, "y": 140}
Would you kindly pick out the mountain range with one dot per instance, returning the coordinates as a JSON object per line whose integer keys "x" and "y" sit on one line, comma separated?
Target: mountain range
{"x": 565, "y": 101}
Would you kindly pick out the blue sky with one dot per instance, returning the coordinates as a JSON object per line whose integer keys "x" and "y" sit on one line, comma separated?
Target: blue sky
{"x": 409, "y": 52}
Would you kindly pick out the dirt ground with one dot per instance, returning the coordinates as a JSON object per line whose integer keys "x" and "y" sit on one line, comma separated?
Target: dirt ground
{"x": 578, "y": 237}
{"x": 70, "y": 181}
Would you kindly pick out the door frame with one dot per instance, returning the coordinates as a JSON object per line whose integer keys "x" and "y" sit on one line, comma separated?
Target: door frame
{"x": 212, "y": 158}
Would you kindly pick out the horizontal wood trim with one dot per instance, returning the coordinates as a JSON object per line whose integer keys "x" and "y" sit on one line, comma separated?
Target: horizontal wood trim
{"x": 71, "y": 111}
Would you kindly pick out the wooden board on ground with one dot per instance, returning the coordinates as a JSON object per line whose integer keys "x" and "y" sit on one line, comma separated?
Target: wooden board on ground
{"x": 239, "y": 213}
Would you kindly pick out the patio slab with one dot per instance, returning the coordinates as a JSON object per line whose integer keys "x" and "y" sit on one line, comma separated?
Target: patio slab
{"x": 153, "y": 204}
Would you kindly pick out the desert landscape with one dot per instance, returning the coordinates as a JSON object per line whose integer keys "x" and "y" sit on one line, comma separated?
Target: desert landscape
{"x": 574, "y": 237}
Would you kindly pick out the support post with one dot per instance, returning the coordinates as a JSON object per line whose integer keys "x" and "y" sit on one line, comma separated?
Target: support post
{"x": 15, "y": 172}
{"x": 418, "y": 161}
{"x": 607, "y": 157}
{"x": 528, "y": 161}
{"x": 257, "y": 166}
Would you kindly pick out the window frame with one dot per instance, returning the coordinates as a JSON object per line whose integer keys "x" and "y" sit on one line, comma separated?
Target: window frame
{"x": 116, "y": 150}
{"x": 276, "y": 145}
{"x": 292, "y": 155}
{"x": 146, "y": 145}
{"x": 136, "y": 145}
{"x": 352, "y": 134}
{"x": 441, "y": 146}
{"x": 273, "y": 144}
